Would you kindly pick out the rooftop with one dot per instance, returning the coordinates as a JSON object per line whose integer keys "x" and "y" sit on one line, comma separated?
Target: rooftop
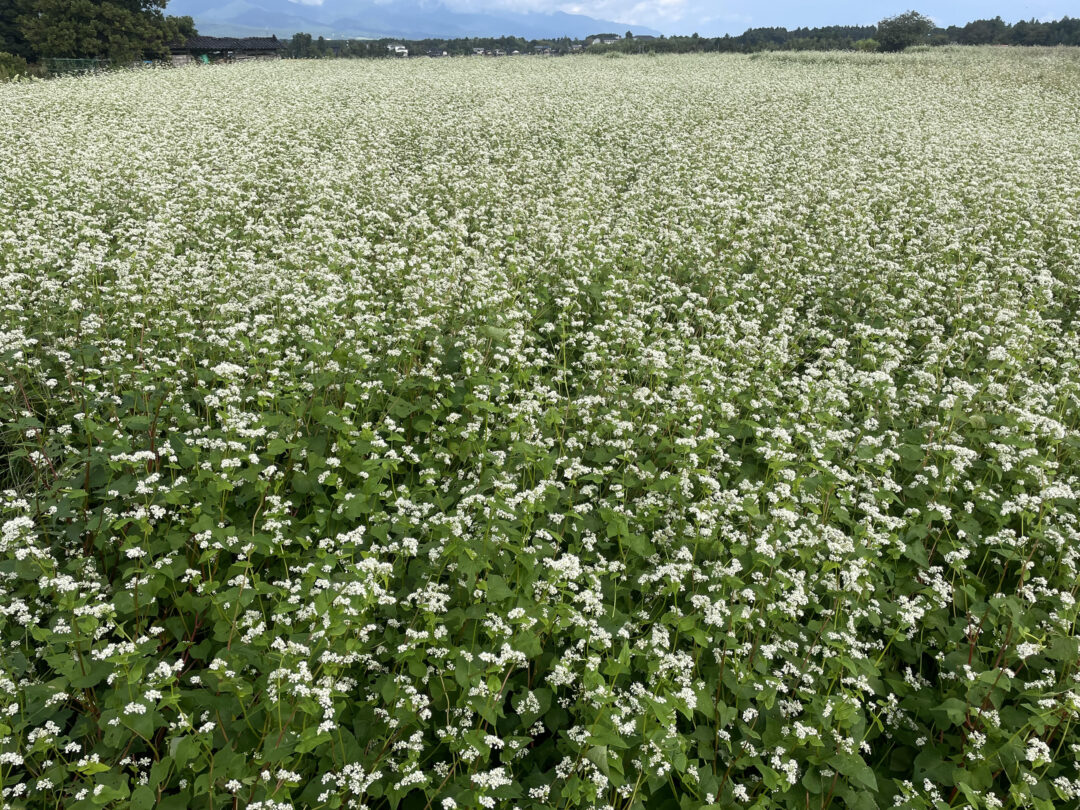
{"x": 229, "y": 44}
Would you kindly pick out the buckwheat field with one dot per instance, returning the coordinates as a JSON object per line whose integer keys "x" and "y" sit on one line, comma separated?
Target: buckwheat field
{"x": 638, "y": 433}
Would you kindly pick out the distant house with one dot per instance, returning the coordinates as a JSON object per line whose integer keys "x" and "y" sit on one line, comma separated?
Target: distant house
{"x": 478, "y": 51}
{"x": 397, "y": 49}
{"x": 603, "y": 39}
{"x": 542, "y": 50}
{"x": 225, "y": 49}
{"x": 436, "y": 53}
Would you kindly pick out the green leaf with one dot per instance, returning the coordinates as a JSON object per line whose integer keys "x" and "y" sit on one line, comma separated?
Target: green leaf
{"x": 598, "y": 756}
{"x": 142, "y": 798}
{"x": 90, "y": 768}
{"x": 855, "y": 769}
{"x": 497, "y": 589}
{"x": 954, "y": 709}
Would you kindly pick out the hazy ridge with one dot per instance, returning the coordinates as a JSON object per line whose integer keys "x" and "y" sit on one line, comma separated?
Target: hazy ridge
{"x": 415, "y": 19}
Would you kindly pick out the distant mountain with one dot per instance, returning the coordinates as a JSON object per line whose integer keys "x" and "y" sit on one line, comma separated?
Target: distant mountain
{"x": 411, "y": 19}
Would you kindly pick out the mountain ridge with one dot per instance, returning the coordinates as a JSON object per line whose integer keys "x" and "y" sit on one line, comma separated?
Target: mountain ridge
{"x": 370, "y": 19}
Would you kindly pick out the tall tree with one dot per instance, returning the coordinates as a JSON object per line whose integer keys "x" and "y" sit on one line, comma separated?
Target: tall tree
{"x": 299, "y": 46}
{"x": 121, "y": 31}
{"x": 12, "y": 39}
{"x": 903, "y": 31}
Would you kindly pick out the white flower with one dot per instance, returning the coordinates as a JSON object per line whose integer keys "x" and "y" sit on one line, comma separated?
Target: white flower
{"x": 1027, "y": 649}
{"x": 1037, "y": 751}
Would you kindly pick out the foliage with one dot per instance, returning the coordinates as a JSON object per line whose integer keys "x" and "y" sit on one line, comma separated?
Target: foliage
{"x": 299, "y": 47}
{"x": 904, "y": 30}
{"x": 179, "y": 29}
{"x": 11, "y": 37}
{"x": 701, "y": 434}
{"x": 831, "y": 37}
{"x": 11, "y": 66}
{"x": 1065, "y": 31}
{"x": 121, "y": 31}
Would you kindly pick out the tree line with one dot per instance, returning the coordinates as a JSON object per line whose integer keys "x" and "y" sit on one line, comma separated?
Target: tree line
{"x": 304, "y": 46}
{"x": 117, "y": 31}
{"x": 890, "y": 34}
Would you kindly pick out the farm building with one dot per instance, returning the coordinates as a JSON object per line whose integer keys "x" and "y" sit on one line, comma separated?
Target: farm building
{"x": 225, "y": 49}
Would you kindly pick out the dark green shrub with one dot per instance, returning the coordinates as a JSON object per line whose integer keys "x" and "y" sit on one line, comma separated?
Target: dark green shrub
{"x": 904, "y": 30}
{"x": 12, "y": 66}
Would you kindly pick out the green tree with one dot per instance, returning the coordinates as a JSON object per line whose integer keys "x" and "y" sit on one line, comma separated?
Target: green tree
{"x": 121, "y": 31}
{"x": 903, "y": 31}
{"x": 11, "y": 66}
{"x": 299, "y": 46}
{"x": 12, "y": 39}
{"x": 180, "y": 28}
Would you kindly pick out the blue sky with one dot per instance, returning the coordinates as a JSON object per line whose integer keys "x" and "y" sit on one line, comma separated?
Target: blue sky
{"x": 712, "y": 17}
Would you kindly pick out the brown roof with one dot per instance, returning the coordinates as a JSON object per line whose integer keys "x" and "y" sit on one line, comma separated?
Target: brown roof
{"x": 228, "y": 44}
